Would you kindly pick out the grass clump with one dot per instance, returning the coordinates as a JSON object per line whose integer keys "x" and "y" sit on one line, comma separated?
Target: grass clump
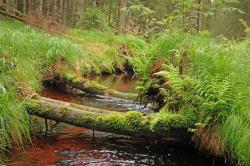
{"x": 34, "y": 51}
{"x": 25, "y": 55}
{"x": 14, "y": 121}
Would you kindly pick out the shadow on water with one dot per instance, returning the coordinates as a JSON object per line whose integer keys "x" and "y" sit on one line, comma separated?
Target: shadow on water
{"x": 73, "y": 146}
{"x": 76, "y": 146}
{"x": 98, "y": 101}
{"x": 122, "y": 83}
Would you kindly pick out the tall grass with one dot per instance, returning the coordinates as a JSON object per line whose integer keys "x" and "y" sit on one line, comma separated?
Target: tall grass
{"x": 227, "y": 61}
{"x": 217, "y": 85}
{"x": 14, "y": 121}
{"x": 104, "y": 50}
{"x": 33, "y": 51}
{"x": 25, "y": 54}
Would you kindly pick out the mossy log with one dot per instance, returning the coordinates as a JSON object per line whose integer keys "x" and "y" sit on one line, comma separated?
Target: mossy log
{"x": 93, "y": 87}
{"x": 130, "y": 123}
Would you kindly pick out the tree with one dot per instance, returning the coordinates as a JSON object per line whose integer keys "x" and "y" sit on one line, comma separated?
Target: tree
{"x": 141, "y": 17}
{"x": 10, "y": 6}
{"x": 40, "y": 6}
{"x": 121, "y": 16}
{"x": 189, "y": 14}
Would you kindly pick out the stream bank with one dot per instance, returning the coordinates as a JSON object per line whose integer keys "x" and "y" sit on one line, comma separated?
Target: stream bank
{"x": 67, "y": 145}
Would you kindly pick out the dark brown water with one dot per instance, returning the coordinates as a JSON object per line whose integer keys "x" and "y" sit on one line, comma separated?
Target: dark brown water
{"x": 72, "y": 146}
{"x": 76, "y": 146}
{"x": 121, "y": 83}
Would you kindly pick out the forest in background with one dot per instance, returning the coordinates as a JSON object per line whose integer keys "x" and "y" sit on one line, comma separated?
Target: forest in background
{"x": 139, "y": 16}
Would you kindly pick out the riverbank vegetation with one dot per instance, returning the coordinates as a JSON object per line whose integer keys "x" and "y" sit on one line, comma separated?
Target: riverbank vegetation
{"x": 181, "y": 69}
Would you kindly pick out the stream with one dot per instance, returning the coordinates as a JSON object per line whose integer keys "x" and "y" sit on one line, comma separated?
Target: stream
{"x": 68, "y": 145}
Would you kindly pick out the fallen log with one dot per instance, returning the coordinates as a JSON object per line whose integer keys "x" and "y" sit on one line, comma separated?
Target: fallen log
{"x": 73, "y": 80}
{"x": 10, "y": 15}
{"x": 173, "y": 125}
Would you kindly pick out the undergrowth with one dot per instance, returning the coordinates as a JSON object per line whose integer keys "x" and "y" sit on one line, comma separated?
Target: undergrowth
{"x": 207, "y": 76}
{"x": 213, "y": 80}
{"x": 105, "y": 51}
{"x": 25, "y": 54}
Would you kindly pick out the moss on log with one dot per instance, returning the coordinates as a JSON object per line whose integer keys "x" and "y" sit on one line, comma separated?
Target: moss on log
{"x": 130, "y": 123}
{"x": 93, "y": 87}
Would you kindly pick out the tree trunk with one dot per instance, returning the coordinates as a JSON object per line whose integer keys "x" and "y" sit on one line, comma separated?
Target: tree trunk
{"x": 28, "y": 6}
{"x": 47, "y": 8}
{"x": 130, "y": 123}
{"x": 24, "y": 7}
{"x": 61, "y": 12}
{"x": 199, "y": 16}
{"x": 1, "y": 5}
{"x": 79, "y": 8}
{"x": 40, "y": 7}
{"x": 94, "y": 3}
{"x": 10, "y": 15}
{"x": 121, "y": 17}
{"x": 10, "y": 6}
{"x": 65, "y": 11}
{"x": 110, "y": 12}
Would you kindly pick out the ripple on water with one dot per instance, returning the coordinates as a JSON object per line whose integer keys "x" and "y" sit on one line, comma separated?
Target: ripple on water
{"x": 73, "y": 146}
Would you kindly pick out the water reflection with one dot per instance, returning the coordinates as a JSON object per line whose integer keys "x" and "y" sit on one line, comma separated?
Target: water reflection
{"x": 76, "y": 146}
{"x": 72, "y": 146}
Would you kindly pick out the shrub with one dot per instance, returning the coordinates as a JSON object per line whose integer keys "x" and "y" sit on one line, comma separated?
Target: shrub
{"x": 92, "y": 19}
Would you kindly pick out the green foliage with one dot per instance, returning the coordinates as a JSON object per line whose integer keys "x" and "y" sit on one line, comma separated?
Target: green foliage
{"x": 166, "y": 45}
{"x": 166, "y": 121}
{"x": 14, "y": 121}
{"x": 135, "y": 122}
{"x": 135, "y": 43}
{"x": 247, "y": 28}
{"x": 183, "y": 14}
{"x": 214, "y": 89}
{"x": 25, "y": 54}
{"x": 142, "y": 18}
{"x": 236, "y": 134}
{"x": 92, "y": 19}
{"x": 104, "y": 51}
{"x": 32, "y": 51}
{"x": 141, "y": 63}
{"x": 215, "y": 86}
{"x": 93, "y": 36}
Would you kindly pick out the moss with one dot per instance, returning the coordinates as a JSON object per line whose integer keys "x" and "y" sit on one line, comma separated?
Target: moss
{"x": 76, "y": 81}
{"x": 85, "y": 85}
{"x": 134, "y": 121}
{"x": 130, "y": 96}
{"x": 65, "y": 112}
{"x": 130, "y": 122}
{"x": 31, "y": 106}
{"x": 94, "y": 87}
{"x": 163, "y": 123}
{"x": 47, "y": 110}
{"x": 86, "y": 120}
{"x": 113, "y": 121}
{"x": 69, "y": 76}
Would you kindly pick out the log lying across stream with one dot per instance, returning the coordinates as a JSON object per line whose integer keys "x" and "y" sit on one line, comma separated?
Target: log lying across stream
{"x": 130, "y": 123}
{"x": 73, "y": 80}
